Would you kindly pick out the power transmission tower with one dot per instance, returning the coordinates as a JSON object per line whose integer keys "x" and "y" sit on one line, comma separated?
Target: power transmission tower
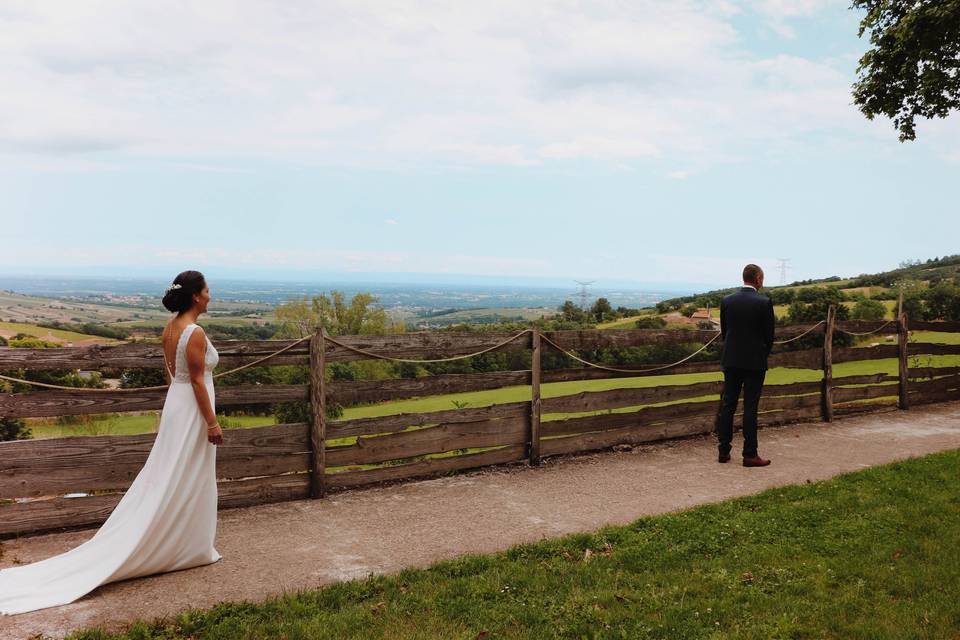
{"x": 783, "y": 269}
{"x": 583, "y": 292}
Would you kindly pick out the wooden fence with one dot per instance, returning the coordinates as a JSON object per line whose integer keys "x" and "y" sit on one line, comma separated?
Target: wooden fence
{"x": 296, "y": 461}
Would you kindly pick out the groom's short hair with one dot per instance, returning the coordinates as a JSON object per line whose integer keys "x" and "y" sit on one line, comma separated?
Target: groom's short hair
{"x": 751, "y": 272}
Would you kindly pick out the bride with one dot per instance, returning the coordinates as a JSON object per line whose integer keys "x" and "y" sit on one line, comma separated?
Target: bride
{"x": 167, "y": 519}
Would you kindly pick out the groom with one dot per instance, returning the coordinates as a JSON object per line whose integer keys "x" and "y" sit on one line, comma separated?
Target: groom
{"x": 746, "y": 326}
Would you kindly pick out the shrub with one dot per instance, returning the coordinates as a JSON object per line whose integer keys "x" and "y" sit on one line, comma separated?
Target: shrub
{"x": 14, "y": 429}
{"x": 869, "y": 310}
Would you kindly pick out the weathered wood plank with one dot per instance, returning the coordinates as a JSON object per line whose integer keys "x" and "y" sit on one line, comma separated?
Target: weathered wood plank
{"x": 932, "y": 397}
{"x": 536, "y": 402}
{"x": 423, "y": 345}
{"x": 862, "y": 326}
{"x": 827, "y": 382}
{"x": 852, "y": 354}
{"x": 616, "y": 398}
{"x": 429, "y": 440}
{"x": 848, "y": 394}
{"x": 627, "y": 435}
{"x": 318, "y": 415}
{"x": 645, "y": 416}
{"x": 870, "y": 378}
{"x": 806, "y": 359}
{"x": 903, "y": 371}
{"x": 351, "y": 393}
{"x": 401, "y": 421}
{"x": 430, "y": 467}
{"x": 30, "y": 468}
{"x": 589, "y": 373}
{"x": 929, "y": 372}
{"x": 84, "y": 401}
{"x": 937, "y": 384}
{"x": 852, "y": 408}
{"x": 145, "y": 354}
{"x": 932, "y": 349}
{"x": 57, "y": 513}
{"x": 791, "y": 389}
{"x": 592, "y": 339}
{"x": 936, "y": 325}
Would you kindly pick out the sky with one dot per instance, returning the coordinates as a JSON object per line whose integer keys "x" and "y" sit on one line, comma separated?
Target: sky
{"x": 667, "y": 142}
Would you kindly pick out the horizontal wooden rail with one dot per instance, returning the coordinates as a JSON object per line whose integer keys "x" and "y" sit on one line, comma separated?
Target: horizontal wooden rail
{"x": 84, "y": 402}
{"x": 30, "y": 468}
{"x": 439, "y": 439}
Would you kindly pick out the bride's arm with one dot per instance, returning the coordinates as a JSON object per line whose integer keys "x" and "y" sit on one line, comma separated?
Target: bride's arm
{"x": 196, "y": 353}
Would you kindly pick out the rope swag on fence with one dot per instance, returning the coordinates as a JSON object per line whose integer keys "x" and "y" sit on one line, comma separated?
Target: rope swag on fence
{"x": 157, "y": 387}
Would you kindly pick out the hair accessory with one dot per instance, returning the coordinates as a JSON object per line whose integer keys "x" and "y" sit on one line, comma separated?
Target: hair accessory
{"x": 173, "y": 288}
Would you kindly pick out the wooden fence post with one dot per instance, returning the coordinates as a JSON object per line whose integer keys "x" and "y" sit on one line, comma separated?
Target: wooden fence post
{"x": 828, "y": 365}
{"x": 535, "y": 402}
{"x": 902, "y": 335}
{"x": 318, "y": 414}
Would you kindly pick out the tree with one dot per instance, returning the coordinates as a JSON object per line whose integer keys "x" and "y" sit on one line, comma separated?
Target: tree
{"x": 651, "y": 322}
{"x": 942, "y": 302}
{"x": 689, "y": 309}
{"x": 867, "y": 309}
{"x": 361, "y": 316}
{"x": 570, "y": 312}
{"x": 601, "y": 310}
{"x": 913, "y": 67}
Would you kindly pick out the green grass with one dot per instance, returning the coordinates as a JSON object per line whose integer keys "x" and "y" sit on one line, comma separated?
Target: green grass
{"x": 870, "y": 554}
{"x": 40, "y": 332}
{"x": 124, "y": 425}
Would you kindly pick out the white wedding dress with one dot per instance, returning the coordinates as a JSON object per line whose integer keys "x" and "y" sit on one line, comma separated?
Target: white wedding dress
{"x": 165, "y": 521}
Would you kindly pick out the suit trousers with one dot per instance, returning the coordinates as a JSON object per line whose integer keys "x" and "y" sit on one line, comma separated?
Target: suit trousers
{"x": 751, "y": 382}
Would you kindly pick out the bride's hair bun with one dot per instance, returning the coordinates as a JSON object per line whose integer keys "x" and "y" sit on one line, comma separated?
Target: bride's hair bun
{"x": 179, "y": 296}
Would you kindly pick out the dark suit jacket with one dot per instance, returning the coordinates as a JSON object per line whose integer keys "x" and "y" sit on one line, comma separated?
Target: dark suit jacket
{"x": 746, "y": 324}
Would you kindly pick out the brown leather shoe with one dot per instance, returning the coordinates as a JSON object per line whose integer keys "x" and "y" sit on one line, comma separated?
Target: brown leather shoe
{"x": 723, "y": 457}
{"x": 755, "y": 461}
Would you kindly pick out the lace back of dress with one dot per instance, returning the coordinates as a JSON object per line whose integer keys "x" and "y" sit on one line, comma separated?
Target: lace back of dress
{"x": 182, "y": 370}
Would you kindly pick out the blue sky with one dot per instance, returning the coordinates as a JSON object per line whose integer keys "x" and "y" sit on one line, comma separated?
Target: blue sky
{"x": 642, "y": 141}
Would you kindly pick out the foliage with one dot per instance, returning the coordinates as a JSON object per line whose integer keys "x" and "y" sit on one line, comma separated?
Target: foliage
{"x": 942, "y": 302}
{"x": 141, "y": 377}
{"x": 913, "y": 66}
{"x": 14, "y": 429}
{"x": 88, "y": 328}
{"x": 811, "y": 305}
{"x": 688, "y": 310}
{"x": 570, "y": 312}
{"x": 651, "y": 322}
{"x": 602, "y": 310}
{"x": 361, "y": 316}
{"x": 3, "y": 341}
{"x": 291, "y": 412}
{"x": 867, "y": 309}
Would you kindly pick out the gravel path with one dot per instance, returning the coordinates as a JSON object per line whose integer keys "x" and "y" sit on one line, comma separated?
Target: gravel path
{"x": 297, "y": 545}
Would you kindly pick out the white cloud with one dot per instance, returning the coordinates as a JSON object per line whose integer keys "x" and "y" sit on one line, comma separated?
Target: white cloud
{"x": 391, "y": 221}
{"x": 363, "y": 82}
{"x": 678, "y": 175}
{"x": 344, "y": 260}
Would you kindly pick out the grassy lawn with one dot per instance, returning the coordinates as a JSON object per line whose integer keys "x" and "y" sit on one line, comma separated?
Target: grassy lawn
{"x": 870, "y": 554}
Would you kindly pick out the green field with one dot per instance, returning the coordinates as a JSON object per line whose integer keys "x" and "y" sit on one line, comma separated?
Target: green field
{"x": 123, "y": 424}
{"x": 39, "y": 332}
{"x": 866, "y": 555}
